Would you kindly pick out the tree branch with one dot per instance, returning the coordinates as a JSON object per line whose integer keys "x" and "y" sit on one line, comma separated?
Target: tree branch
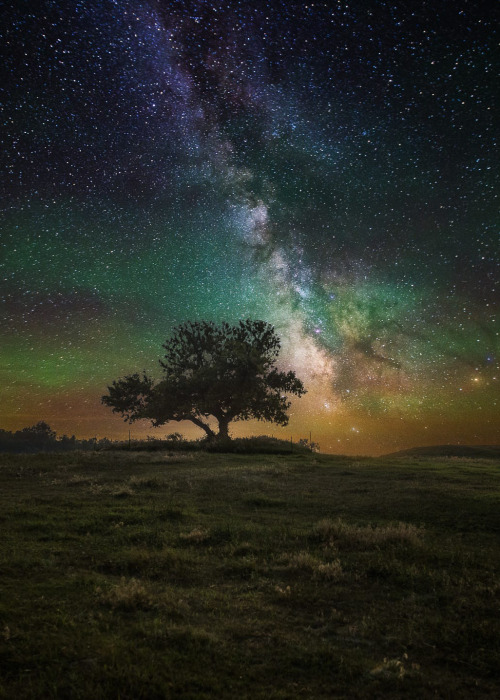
{"x": 202, "y": 425}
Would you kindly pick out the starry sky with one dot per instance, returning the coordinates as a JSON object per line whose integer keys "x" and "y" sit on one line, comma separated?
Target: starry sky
{"x": 328, "y": 167}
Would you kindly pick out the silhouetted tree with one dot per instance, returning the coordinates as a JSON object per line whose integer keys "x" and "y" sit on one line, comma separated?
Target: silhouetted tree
{"x": 40, "y": 434}
{"x": 41, "y": 438}
{"x": 228, "y": 372}
{"x": 41, "y": 430}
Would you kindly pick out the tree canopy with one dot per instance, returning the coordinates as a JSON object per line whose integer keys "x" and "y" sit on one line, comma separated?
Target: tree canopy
{"x": 223, "y": 371}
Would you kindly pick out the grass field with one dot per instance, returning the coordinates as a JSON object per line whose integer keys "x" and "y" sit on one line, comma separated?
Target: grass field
{"x": 156, "y": 575}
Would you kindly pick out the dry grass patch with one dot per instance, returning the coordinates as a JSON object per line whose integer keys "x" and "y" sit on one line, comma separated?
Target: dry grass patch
{"x": 306, "y": 562}
{"x": 128, "y": 594}
{"x": 120, "y": 490}
{"x": 134, "y": 594}
{"x": 196, "y": 536}
{"x": 395, "y": 668}
{"x": 143, "y": 482}
{"x": 330, "y": 571}
{"x": 302, "y": 561}
{"x": 338, "y": 533}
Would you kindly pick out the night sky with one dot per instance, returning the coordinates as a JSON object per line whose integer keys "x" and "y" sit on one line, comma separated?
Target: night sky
{"x": 328, "y": 167}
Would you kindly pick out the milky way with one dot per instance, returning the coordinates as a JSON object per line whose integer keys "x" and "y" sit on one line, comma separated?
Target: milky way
{"x": 329, "y": 168}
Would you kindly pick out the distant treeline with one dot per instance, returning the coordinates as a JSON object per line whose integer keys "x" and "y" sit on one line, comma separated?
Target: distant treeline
{"x": 41, "y": 438}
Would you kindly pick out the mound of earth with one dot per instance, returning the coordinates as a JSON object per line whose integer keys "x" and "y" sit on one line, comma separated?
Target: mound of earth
{"x": 472, "y": 451}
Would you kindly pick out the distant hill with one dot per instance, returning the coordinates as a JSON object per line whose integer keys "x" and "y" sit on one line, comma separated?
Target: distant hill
{"x": 473, "y": 451}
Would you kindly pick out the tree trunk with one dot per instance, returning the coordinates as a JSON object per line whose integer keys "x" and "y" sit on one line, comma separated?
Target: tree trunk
{"x": 223, "y": 429}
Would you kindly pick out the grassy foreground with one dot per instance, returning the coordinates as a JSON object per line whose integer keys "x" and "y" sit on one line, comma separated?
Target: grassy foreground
{"x": 149, "y": 575}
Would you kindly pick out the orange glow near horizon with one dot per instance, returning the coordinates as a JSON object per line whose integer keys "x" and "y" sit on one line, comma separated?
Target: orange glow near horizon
{"x": 337, "y": 429}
